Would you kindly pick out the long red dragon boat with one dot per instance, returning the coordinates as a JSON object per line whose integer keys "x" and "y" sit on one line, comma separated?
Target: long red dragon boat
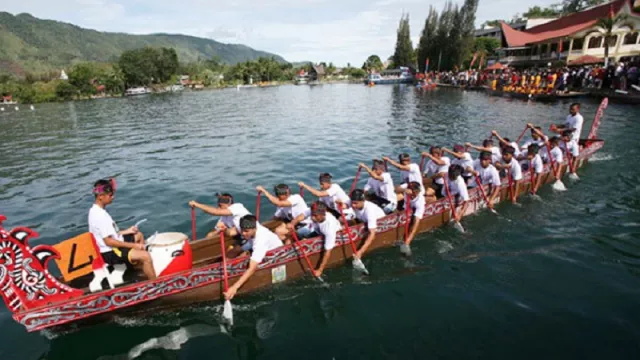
{"x": 38, "y": 300}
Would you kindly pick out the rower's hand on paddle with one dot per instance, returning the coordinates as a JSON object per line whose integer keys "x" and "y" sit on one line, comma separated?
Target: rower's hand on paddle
{"x": 291, "y": 227}
{"x": 467, "y": 144}
{"x": 221, "y": 227}
{"x": 230, "y": 293}
{"x": 260, "y": 188}
{"x": 385, "y": 158}
{"x": 301, "y": 184}
{"x": 494, "y": 133}
{"x": 317, "y": 273}
{"x": 530, "y": 125}
{"x": 362, "y": 165}
{"x": 425, "y": 154}
{"x": 193, "y": 203}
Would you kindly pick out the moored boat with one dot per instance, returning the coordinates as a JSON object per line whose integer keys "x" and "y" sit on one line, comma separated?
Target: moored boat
{"x": 522, "y": 96}
{"x": 38, "y": 300}
{"x": 390, "y": 77}
{"x": 137, "y": 91}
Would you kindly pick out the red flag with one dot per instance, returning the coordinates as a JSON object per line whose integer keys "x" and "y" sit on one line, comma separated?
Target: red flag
{"x": 611, "y": 14}
{"x": 560, "y": 46}
{"x": 475, "y": 56}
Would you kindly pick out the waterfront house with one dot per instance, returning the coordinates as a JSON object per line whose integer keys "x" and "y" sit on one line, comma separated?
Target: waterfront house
{"x": 573, "y": 36}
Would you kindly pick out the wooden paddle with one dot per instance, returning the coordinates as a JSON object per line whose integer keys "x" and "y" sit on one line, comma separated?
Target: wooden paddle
{"x": 355, "y": 180}
{"x": 404, "y": 247}
{"x": 298, "y": 247}
{"x": 227, "y": 312}
{"x": 484, "y": 195}
{"x": 357, "y": 263}
{"x": 457, "y": 224}
{"x": 193, "y": 224}
{"x": 258, "y": 206}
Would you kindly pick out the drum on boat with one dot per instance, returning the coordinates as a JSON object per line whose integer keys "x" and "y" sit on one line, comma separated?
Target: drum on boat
{"x": 170, "y": 252}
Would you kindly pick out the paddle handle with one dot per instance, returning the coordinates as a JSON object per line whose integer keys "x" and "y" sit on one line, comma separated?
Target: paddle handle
{"x": 296, "y": 243}
{"x": 258, "y": 197}
{"x": 348, "y": 229}
{"x": 532, "y": 175}
{"x": 193, "y": 224}
{"x": 407, "y": 212}
{"x": 481, "y": 187}
{"x": 302, "y": 191}
{"x": 522, "y": 134}
{"x": 422, "y": 160}
{"x": 224, "y": 262}
{"x": 451, "y": 204}
{"x": 355, "y": 180}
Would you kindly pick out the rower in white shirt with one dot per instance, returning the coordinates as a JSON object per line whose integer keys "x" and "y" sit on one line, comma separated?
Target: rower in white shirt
{"x": 537, "y": 137}
{"x": 380, "y": 187}
{"x": 488, "y": 174}
{"x": 462, "y": 158}
{"x": 326, "y": 225}
{"x": 534, "y": 164}
{"x": 290, "y": 210}
{"x": 418, "y": 205}
{"x": 332, "y": 195}
{"x": 409, "y": 172}
{"x": 457, "y": 190}
{"x": 556, "y": 156}
{"x": 574, "y": 122}
{"x": 488, "y": 146}
{"x": 504, "y": 142}
{"x": 515, "y": 171}
{"x": 571, "y": 148}
{"x": 436, "y": 171}
{"x": 259, "y": 241}
{"x": 369, "y": 213}
{"x": 229, "y": 212}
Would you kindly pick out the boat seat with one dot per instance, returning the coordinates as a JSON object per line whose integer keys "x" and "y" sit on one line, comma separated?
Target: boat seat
{"x": 80, "y": 257}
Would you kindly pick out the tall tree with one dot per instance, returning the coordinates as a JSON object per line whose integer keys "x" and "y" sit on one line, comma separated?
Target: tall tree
{"x": 572, "y": 6}
{"x": 404, "y": 54}
{"x": 538, "y": 12}
{"x": 453, "y": 50}
{"x": 427, "y": 44}
{"x": 445, "y": 24}
{"x": 468, "y": 15}
{"x": 373, "y": 62}
{"x": 605, "y": 26}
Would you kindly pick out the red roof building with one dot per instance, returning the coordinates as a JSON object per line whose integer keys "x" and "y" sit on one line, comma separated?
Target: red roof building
{"x": 573, "y": 36}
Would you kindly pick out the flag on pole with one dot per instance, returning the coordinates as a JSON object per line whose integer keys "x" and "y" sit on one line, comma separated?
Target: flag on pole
{"x": 426, "y": 66}
{"x": 475, "y": 57}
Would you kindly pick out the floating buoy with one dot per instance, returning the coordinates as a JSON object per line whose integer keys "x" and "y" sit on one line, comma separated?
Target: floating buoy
{"x": 17, "y": 109}
{"x": 1, "y": 109}
{"x": 32, "y": 107}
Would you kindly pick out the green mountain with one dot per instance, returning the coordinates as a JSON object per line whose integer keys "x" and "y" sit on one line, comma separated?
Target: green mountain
{"x": 31, "y": 44}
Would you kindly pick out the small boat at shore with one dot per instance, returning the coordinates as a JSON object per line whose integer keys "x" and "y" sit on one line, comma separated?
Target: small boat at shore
{"x": 137, "y": 91}
{"x": 521, "y": 96}
{"x": 189, "y": 272}
{"x": 391, "y": 77}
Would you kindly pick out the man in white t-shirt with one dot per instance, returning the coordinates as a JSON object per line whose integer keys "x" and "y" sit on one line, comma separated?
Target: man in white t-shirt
{"x": 534, "y": 164}
{"x": 418, "y": 205}
{"x": 436, "y": 170}
{"x": 116, "y": 247}
{"x": 574, "y": 122}
{"x": 326, "y": 225}
{"x": 488, "y": 146}
{"x": 556, "y": 156}
{"x": 332, "y": 195}
{"x": 380, "y": 187}
{"x": 458, "y": 191}
{"x": 229, "y": 212}
{"x": 369, "y": 213}
{"x": 504, "y": 142}
{"x": 290, "y": 210}
{"x": 408, "y": 171}
{"x": 462, "y": 158}
{"x": 259, "y": 241}
{"x": 514, "y": 171}
{"x": 537, "y": 137}
{"x": 571, "y": 148}
{"x": 488, "y": 175}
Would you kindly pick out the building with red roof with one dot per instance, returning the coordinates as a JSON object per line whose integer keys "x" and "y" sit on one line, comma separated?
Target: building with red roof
{"x": 571, "y": 37}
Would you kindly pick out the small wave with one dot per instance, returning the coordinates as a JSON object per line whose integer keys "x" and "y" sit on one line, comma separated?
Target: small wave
{"x": 601, "y": 157}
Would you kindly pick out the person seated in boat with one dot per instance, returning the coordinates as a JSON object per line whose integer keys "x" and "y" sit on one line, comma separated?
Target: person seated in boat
{"x": 537, "y": 137}
{"x": 556, "y": 156}
{"x": 514, "y": 171}
{"x": 542, "y": 142}
{"x": 571, "y": 147}
{"x": 506, "y": 142}
{"x": 488, "y": 174}
{"x": 409, "y": 172}
{"x": 531, "y": 161}
{"x": 573, "y": 122}
{"x": 259, "y": 241}
{"x": 332, "y": 195}
{"x": 116, "y": 247}
{"x": 458, "y": 191}
{"x": 290, "y": 209}
{"x": 418, "y": 207}
{"x": 380, "y": 187}
{"x": 462, "y": 158}
{"x": 487, "y": 146}
{"x": 436, "y": 170}
{"x": 368, "y": 213}
{"x": 326, "y": 225}
{"x": 229, "y": 212}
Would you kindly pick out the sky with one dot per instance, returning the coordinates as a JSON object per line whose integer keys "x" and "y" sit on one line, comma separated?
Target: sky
{"x": 341, "y": 32}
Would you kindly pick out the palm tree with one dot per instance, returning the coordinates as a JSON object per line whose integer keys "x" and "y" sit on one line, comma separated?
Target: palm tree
{"x": 606, "y": 26}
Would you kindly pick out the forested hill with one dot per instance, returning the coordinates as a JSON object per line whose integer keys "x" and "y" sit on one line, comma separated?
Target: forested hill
{"x": 32, "y": 44}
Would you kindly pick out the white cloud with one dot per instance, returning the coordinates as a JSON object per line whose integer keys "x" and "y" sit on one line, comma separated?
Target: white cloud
{"x": 316, "y": 30}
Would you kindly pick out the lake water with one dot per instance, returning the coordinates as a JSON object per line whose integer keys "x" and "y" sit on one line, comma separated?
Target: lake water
{"x": 557, "y": 278}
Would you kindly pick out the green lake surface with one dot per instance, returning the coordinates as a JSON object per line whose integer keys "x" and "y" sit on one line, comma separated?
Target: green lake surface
{"x": 553, "y": 279}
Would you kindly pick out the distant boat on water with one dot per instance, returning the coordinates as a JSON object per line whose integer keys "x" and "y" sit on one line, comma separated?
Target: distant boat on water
{"x": 388, "y": 77}
{"x": 137, "y": 91}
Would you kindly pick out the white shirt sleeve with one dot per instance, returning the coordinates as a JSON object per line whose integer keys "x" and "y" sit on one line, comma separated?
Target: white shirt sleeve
{"x": 102, "y": 225}
{"x": 537, "y": 165}
{"x": 329, "y": 229}
{"x": 259, "y": 251}
{"x": 495, "y": 177}
{"x": 332, "y": 190}
{"x": 516, "y": 170}
{"x": 462, "y": 189}
{"x": 368, "y": 186}
{"x": 419, "y": 209}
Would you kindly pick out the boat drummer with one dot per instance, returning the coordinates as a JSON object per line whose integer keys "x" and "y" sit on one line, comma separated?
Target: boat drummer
{"x": 116, "y": 246}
